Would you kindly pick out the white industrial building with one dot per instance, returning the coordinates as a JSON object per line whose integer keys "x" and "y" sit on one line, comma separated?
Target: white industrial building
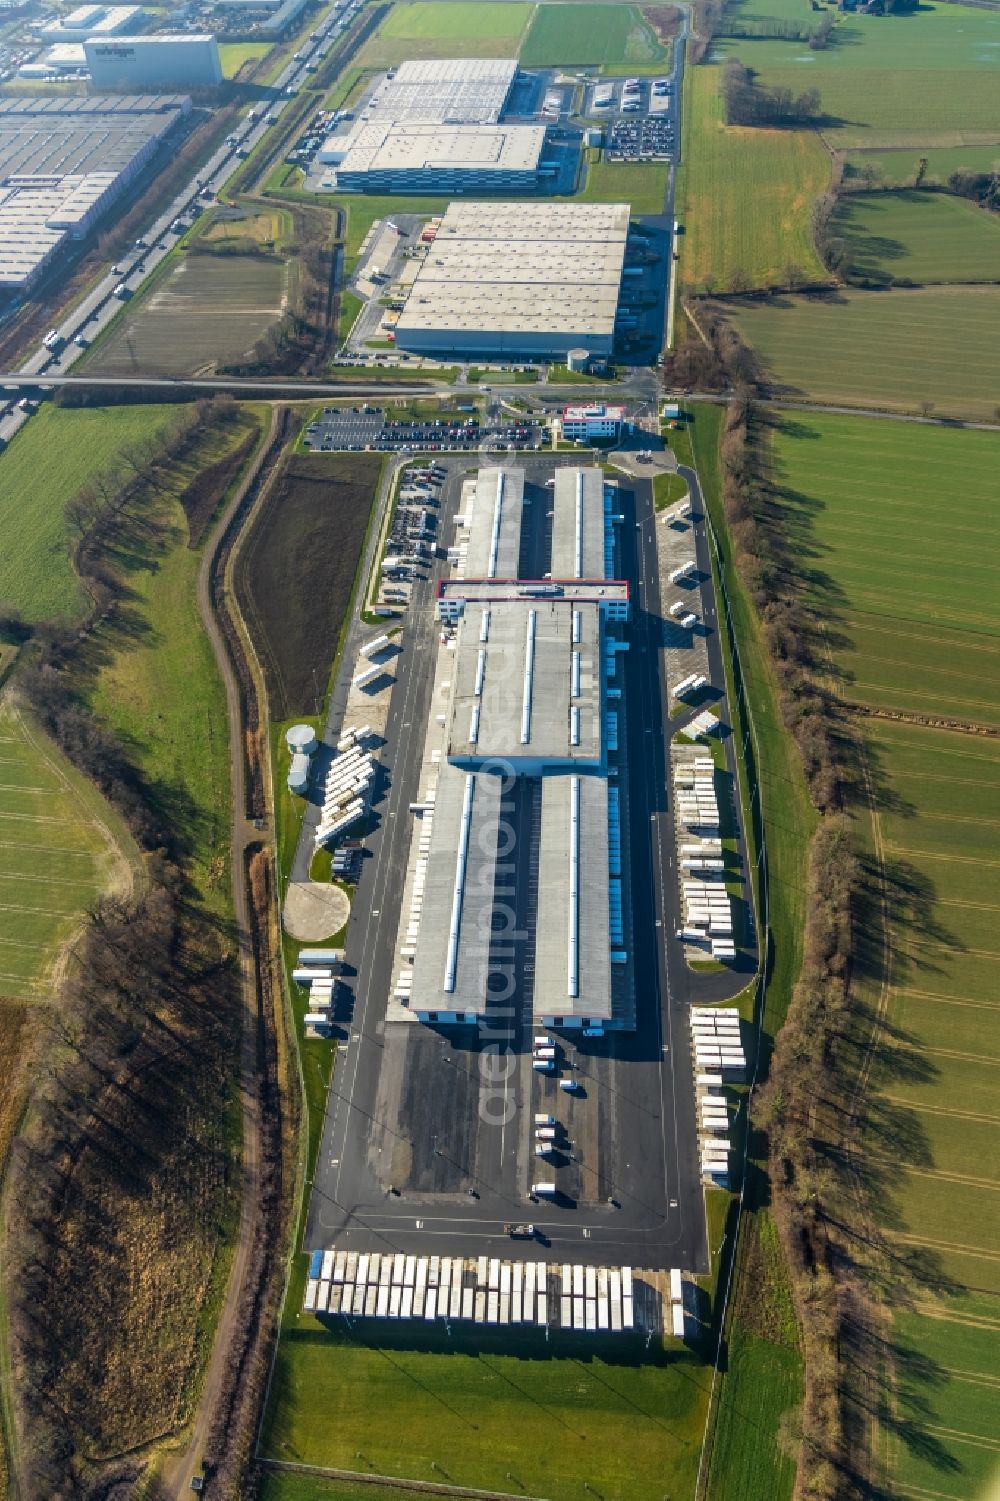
{"x": 89, "y": 21}
{"x": 530, "y": 702}
{"x": 388, "y": 156}
{"x": 150, "y": 62}
{"x": 518, "y": 279}
{"x": 449, "y": 91}
{"x": 63, "y": 162}
{"x": 594, "y": 420}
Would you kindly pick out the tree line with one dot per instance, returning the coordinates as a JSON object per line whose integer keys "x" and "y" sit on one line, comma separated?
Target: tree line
{"x": 747, "y": 101}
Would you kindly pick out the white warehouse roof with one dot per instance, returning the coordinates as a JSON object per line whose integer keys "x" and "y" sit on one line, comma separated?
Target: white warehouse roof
{"x": 549, "y": 269}
{"x": 390, "y": 146}
{"x": 454, "y": 91}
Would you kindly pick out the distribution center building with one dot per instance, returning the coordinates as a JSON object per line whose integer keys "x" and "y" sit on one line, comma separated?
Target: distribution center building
{"x": 529, "y": 280}
{"x": 149, "y": 62}
{"x": 450, "y": 91}
{"x": 526, "y": 757}
{"x": 63, "y": 162}
{"x": 422, "y": 157}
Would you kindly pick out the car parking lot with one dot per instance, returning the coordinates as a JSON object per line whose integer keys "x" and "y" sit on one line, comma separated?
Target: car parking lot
{"x": 352, "y": 429}
{"x": 648, "y": 139}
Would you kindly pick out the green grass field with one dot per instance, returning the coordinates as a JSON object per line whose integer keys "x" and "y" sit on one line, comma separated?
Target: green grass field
{"x": 898, "y": 168}
{"x": 643, "y": 185}
{"x": 745, "y": 196}
{"x": 234, "y": 54}
{"x": 59, "y": 850}
{"x": 875, "y": 506}
{"x": 44, "y": 467}
{"x": 160, "y": 689}
{"x": 924, "y": 79}
{"x": 863, "y": 497}
{"x": 584, "y": 35}
{"x": 487, "y": 1417}
{"x": 919, "y": 237}
{"x": 447, "y": 28}
{"x": 893, "y": 350}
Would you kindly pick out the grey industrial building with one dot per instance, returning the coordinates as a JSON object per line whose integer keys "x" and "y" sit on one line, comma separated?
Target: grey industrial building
{"x": 189, "y": 60}
{"x": 504, "y": 279}
{"x": 448, "y": 91}
{"x": 424, "y": 157}
{"x": 531, "y": 695}
{"x": 63, "y": 162}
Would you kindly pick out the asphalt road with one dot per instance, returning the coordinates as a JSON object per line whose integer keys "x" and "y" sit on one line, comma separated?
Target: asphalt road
{"x": 418, "y": 1110}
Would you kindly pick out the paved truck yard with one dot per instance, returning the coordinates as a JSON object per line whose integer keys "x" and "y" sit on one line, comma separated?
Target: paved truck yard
{"x": 429, "y": 1143}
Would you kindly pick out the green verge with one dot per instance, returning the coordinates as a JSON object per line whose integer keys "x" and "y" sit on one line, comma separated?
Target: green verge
{"x": 762, "y": 1375}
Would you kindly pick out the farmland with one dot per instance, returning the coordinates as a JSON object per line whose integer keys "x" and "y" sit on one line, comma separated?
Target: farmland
{"x": 895, "y": 350}
{"x": 296, "y": 572}
{"x": 601, "y": 35}
{"x": 925, "y": 79}
{"x": 898, "y": 168}
{"x": 463, "y": 29}
{"x": 207, "y": 312}
{"x": 746, "y": 197}
{"x": 862, "y": 497}
{"x": 45, "y": 466}
{"x": 59, "y": 854}
{"x": 484, "y": 1415}
{"x": 918, "y": 237}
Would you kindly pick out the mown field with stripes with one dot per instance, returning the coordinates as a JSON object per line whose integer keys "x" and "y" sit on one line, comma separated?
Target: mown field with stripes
{"x": 899, "y": 537}
{"x": 58, "y": 855}
{"x": 891, "y": 350}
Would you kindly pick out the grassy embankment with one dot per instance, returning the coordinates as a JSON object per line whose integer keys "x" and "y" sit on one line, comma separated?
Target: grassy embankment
{"x": 745, "y": 197}
{"x": 863, "y": 498}
{"x": 762, "y": 1376}
{"x": 156, "y": 685}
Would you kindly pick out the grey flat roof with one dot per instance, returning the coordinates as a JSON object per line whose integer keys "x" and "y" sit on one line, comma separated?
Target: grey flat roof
{"x": 476, "y": 915}
{"x": 455, "y": 90}
{"x": 572, "y": 942}
{"x": 524, "y": 671}
{"x": 523, "y": 267}
{"x": 568, "y": 591}
{"x": 498, "y": 503}
{"x": 393, "y": 146}
{"x": 578, "y": 524}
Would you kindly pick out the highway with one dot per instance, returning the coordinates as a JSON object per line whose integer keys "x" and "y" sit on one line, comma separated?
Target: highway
{"x": 50, "y": 367}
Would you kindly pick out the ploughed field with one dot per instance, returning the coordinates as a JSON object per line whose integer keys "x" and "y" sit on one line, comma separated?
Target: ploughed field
{"x": 208, "y": 312}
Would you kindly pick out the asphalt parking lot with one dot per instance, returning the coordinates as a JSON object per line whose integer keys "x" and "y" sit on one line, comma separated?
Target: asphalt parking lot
{"x": 649, "y": 138}
{"x": 336, "y": 430}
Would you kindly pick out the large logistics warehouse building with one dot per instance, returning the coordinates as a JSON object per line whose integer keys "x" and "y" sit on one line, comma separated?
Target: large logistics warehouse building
{"x": 530, "y": 280}
{"x": 63, "y": 162}
{"x": 422, "y": 157}
{"x": 530, "y": 694}
{"x": 150, "y": 62}
{"x": 449, "y": 90}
